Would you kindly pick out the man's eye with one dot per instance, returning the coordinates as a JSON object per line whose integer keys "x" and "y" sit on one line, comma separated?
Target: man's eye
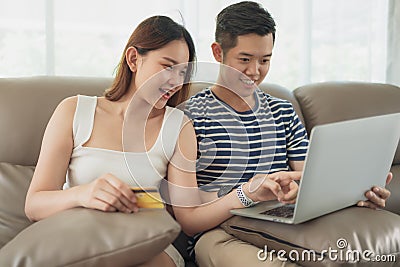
{"x": 264, "y": 61}
{"x": 168, "y": 67}
{"x": 244, "y": 59}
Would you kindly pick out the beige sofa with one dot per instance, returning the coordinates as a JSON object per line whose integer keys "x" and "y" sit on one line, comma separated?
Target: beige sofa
{"x": 26, "y": 105}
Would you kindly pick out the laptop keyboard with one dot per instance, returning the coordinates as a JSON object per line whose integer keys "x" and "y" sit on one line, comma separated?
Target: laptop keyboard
{"x": 286, "y": 211}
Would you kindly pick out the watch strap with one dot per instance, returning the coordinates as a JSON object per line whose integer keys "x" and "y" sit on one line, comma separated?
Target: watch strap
{"x": 245, "y": 200}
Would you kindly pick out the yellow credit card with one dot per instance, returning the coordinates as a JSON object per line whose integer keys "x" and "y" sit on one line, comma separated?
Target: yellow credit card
{"x": 148, "y": 197}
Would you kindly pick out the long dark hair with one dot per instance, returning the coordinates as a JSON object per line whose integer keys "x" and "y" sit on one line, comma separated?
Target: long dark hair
{"x": 152, "y": 34}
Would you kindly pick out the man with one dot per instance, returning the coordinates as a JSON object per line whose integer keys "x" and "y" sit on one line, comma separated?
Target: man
{"x": 242, "y": 132}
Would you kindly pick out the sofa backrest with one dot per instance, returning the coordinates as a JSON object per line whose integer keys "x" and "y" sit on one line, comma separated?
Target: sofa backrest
{"x": 26, "y": 105}
{"x": 338, "y": 101}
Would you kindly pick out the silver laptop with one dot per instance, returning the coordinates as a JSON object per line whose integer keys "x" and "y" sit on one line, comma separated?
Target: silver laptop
{"x": 344, "y": 160}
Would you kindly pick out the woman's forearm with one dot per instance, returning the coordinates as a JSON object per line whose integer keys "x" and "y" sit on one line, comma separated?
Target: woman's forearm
{"x": 42, "y": 204}
{"x": 207, "y": 216}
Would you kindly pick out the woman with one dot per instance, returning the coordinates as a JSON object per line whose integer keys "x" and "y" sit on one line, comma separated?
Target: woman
{"x": 86, "y": 130}
{"x": 83, "y": 141}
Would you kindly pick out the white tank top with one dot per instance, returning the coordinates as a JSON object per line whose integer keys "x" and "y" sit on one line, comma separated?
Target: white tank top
{"x": 135, "y": 169}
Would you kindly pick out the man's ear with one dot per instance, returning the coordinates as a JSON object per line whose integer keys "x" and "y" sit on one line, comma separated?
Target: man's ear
{"x": 131, "y": 57}
{"x": 217, "y": 51}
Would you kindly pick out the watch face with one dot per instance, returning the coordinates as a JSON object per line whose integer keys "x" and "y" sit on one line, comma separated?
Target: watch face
{"x": 224, "y": 190}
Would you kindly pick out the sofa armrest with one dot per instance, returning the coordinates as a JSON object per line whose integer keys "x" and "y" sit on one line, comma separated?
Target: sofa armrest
{"x": 338, "y": 101}
{"x": 393, "y": 203}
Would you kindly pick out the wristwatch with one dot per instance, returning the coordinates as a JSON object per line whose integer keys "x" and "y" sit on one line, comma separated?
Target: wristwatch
{"x": 224, "y": 190}
{"x": 245, "y": 200}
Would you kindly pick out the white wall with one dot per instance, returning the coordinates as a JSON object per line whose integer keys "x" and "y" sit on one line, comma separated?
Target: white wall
{"x": 393, "y": 48}
{"x": 317, "y": 40}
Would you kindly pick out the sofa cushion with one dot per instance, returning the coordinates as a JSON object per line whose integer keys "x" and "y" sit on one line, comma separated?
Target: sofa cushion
{"x": 14, "y": 183}
{"x": 77, "y": 237}
{"x": 86, "y": 237}
{"x": 352, "y": 229}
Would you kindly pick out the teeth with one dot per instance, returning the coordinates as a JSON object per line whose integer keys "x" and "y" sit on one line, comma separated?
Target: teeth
{"x": 248, "y": 82}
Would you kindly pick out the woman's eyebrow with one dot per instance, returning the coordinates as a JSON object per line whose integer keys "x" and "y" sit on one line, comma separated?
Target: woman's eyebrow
{"x": 173, "y": 61}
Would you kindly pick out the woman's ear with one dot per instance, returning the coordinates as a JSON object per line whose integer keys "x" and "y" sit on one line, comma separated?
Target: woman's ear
{"x": 217, "y": 51}
{"x": 131, "y": 57}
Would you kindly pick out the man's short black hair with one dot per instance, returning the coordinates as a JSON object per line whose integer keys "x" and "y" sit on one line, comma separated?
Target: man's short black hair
{"x": 242, "y": 18}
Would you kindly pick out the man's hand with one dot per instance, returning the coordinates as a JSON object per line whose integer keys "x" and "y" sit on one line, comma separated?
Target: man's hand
{"x": 377, "y": 196}
{"x": 279, "y": 185}
{"x": 287, "y": 182}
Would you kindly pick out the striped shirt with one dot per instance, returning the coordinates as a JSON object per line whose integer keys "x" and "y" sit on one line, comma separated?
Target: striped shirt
{"x": 234, "y": 146}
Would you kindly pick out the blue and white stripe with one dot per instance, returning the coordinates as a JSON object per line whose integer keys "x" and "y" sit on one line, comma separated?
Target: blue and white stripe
{"x": 234, "y": 146}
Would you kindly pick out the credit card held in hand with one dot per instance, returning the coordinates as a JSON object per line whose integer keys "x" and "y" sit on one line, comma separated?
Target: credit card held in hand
{"x": 148, "y": 197}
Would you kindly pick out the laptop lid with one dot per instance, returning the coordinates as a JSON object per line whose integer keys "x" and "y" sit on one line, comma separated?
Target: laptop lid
{"x": 344, "y": 160}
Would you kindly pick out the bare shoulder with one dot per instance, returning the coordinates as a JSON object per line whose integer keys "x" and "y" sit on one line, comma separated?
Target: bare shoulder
{"x": 186, "y": 150}
{"x": 68, "y": 104}
{"x": 185, "y": 119}
{"x": 187, "y": 135}
{"x": 187, "y": 125}
{"x": 64, "y": 113}
{"x": 65, "y": 110}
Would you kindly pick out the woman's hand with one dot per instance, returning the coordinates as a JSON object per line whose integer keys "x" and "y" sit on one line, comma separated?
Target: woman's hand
{"x": 279, "y": 185}
{"x": 107, "y": 193}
